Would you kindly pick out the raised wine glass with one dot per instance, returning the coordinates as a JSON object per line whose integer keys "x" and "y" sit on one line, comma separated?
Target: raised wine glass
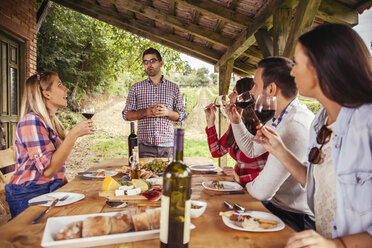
{"x": 244, "y": 99}
{"x": 220, "y": 102}
{"x": 265, "y": 107}
{"x": 88, "y": 110}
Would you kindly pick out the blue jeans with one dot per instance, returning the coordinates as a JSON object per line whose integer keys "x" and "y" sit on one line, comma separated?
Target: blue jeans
{"x": 298, "y": 222}
{"x": 18, "y": 196}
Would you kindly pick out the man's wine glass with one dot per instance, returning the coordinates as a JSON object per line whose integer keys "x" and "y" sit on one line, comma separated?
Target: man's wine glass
{"x": 265, "y": 108}
{"x": 244, "y": 99}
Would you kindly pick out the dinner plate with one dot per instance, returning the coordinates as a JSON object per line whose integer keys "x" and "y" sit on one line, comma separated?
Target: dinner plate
{"x": 227, "y": 186}
{"x": 54, "y": 224}
{"x": 255, "y": 214}
{"x": 107, "y": 173}
{"x": 72, "y": 197}
{"x": 203, "y": 168}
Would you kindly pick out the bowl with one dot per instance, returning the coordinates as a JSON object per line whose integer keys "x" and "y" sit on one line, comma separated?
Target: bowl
{"x": 197, "y": 208}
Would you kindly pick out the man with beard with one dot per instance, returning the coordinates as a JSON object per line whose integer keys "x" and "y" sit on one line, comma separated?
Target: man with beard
{"x": 155, "y": 102}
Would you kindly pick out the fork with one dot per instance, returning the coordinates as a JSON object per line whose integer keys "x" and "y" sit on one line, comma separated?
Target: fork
{"x": 37, "y": 220}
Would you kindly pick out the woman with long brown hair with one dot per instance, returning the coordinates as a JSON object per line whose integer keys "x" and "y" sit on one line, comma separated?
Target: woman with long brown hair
{"x": 334, "y": 66}
{"x": 41, "y": 142}
{"x": 246, "y": 169}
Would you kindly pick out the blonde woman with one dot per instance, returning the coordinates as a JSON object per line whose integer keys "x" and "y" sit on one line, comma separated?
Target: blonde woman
{"x": 41, "y": 142}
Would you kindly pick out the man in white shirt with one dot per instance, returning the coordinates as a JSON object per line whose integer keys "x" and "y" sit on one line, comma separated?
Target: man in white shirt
{"x": 278, "y": 190}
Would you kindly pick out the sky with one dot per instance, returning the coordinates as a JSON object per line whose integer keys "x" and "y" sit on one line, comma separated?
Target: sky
{"x": 364, "y": 29}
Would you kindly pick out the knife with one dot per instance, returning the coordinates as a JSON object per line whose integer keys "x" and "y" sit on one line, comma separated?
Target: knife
{"x": 37, "y": 203}
{"x": 226, "y": 193}
{"x": 46, "y": 211}
{"x": 87, "y": 172}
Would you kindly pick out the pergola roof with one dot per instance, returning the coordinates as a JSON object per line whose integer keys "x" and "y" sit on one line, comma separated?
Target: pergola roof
{"x": 219, "y": 31}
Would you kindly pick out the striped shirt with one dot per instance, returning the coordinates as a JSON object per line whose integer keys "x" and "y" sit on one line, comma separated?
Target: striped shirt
{"x": 247, "y": 168}
{"x": 155, "y": 130}
{"x": 35, "y": 142}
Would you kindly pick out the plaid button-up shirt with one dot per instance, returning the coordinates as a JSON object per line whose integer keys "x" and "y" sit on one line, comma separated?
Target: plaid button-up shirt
{"x": 155, "y": 130}
{"x": 247, "y": 168}
{"x": 35, "y": 142}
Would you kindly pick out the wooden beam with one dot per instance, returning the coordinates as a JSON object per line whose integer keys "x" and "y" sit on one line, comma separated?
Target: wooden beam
{"x": 281, "y": 24}
{"x": 224, "y": 75}
{"x": 264, "y": 41}
{"x": 218, "y": 11}
{"x": 233, "y": 4}
{"x": 246, "y": 39}
{"x": 170, "y": 40}
{"x": 363, "y": 5}
{"x": 335, "y": 12}
{"x": 42, "y": 13}
{"x": 305, "y": 14}
{"x": 173, "y": 21}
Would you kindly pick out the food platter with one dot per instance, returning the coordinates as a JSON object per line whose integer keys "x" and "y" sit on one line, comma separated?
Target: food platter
{"x": 54, "y": 224}
{"x": 227, "y": 186}
{"x": 255, "y": 214}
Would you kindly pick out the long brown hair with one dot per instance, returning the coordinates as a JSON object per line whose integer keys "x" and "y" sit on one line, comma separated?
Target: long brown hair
{"x": 34, "y": 101}
{"x": 242, "y": 85}
{"x": 342, "y": 63}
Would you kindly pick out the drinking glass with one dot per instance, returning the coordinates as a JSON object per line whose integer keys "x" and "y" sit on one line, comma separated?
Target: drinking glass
{"x": 87, "y": 109}
{"x": 244, "y": 99}
{"x": 220, "y": 102}
{"x": 265, "y": 108}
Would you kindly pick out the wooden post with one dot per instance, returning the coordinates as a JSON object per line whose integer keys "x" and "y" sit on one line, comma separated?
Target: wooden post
{"x": 281, "y": 25}
{"x": 224, "y": 72}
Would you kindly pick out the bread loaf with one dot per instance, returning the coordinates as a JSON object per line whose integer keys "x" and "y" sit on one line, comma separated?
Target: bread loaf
{"x": 121, "y": 223}
{"x": 70, "y": 231}
{"x": 96, "y": 226}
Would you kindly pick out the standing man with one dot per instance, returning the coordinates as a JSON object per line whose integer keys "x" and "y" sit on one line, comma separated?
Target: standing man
{"x": 281, "y": 193}
{"x": 155, "y": 102}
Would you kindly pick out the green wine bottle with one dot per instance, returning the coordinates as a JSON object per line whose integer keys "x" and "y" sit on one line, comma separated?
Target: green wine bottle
{"x": 175, "y": 200}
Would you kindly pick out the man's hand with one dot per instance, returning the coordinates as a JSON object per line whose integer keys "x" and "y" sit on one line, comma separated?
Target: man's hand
{"x": 157, "y": 110}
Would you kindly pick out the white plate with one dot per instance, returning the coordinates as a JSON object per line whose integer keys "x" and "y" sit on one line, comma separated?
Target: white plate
{"x": 72, "y": 197}
{"x": 205, "y": 167}
{"x": 54, "y": 224}
{"x": 107, "y": 173}
{"x": 227, "y": 186}
{"x": 255, "y": 214}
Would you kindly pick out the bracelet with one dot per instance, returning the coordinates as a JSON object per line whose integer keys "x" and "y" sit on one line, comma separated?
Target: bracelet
{"x": 342, "y": 242}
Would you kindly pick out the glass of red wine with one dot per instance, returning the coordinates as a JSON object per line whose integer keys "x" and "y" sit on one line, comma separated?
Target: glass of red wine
{"x": 244, "y": 100}
{"x": 88, "y": 110}
{"x": 265, "y": 108}
{"x": 220, "y": 102}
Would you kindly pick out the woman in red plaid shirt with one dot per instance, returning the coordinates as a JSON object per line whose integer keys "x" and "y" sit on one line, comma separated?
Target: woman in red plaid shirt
{"x": 41, "y": 142}
{"x": 246, "y": 169}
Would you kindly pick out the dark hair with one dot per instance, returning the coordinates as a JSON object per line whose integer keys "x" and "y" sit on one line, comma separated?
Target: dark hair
{"x": 342, "y": 63}
{"x": 277, "y": 69}
{"x": 152, "y": 50}
{"x": 248, "y": 115}
{"x": 244, "y": 84}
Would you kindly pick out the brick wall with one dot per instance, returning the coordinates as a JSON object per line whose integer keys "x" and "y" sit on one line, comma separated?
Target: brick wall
{"x": 19, "y": 18}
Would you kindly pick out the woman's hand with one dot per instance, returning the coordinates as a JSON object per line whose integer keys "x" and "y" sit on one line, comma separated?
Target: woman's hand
{"x": 233, "y": 113}
{"x": 270, "y": 140}
{"x": 310, "y": 238}
{"x": 210, "y": 114}
{"x": 82, "y": 128}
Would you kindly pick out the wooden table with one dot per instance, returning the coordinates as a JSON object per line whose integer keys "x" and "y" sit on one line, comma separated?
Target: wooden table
{"x": 210, "y": 230}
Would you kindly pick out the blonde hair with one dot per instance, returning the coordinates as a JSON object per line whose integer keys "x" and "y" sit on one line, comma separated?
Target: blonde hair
{"x": 33, "y": 101}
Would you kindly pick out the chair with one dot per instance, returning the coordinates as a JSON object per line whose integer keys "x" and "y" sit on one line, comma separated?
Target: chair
{"x": 8, "y": 158}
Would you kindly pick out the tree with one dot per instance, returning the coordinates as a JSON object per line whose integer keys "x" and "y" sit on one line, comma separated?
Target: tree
{"x": 89, "y": 54}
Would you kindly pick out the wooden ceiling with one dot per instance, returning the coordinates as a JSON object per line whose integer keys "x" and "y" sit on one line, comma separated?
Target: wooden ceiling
{"x": 222, "y": 31}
